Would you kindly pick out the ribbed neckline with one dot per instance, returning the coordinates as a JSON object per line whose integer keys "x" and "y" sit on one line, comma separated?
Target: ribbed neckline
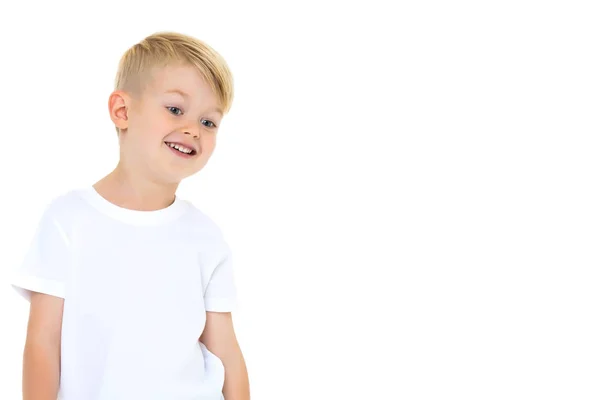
{"x": 135, "y": 217}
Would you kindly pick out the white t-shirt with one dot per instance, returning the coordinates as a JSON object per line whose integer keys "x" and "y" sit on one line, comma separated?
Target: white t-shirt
{"x": 136, "y": 286}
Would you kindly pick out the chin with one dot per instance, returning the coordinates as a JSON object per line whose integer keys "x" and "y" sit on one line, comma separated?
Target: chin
{"x": 176, "y": 178}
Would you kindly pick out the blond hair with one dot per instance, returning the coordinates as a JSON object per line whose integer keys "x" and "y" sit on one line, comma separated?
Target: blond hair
{"x": 165, "y": 48}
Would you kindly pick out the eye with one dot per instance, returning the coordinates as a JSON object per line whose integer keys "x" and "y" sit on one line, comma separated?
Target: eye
{"x": 210, "y": 123}
{"x": 175, "y": 110}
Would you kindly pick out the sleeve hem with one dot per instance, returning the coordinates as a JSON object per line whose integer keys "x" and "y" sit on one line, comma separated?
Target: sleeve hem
{"x": 220, "y": 305}
{"x": 25, "y": 284}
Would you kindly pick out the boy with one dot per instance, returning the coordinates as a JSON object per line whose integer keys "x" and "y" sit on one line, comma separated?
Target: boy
{"x": 130, "y": 287}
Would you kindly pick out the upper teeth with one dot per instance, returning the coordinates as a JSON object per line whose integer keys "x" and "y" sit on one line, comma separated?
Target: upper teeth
{"x": 181, "y": 148}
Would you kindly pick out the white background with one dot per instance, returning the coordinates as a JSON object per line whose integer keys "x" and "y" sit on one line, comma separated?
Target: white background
{"x": 410, "y": 189}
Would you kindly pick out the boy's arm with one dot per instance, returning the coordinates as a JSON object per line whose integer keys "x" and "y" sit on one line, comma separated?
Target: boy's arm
{"x": 41, "y": 356}
{"x": 219, "y": 337}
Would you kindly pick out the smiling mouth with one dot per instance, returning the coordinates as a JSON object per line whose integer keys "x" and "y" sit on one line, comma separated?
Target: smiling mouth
{"x": 181, "y": 149}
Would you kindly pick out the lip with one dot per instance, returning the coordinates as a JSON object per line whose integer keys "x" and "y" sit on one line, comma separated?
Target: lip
{"x": 177, "y": 152}
{"x": 186, "y": 144}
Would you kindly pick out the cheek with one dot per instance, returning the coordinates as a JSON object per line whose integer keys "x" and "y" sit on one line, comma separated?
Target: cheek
{"x": 153, "y": 130}
{"x": 152, "y": 119}
{"x": 159, "y": 127}
{"x": 210, "y": 143}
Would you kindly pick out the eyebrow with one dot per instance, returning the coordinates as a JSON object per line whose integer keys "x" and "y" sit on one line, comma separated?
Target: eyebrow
{"x": 182, "y": 93}
{"x": 187, "y": 96}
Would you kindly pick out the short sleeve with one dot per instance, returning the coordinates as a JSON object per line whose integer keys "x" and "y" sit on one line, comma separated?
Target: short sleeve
{"x": 45, "y": 265}
{"x": 221, "y": 294}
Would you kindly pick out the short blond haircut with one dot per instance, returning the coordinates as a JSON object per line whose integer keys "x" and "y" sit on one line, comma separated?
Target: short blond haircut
{"x": 168, "y": 48}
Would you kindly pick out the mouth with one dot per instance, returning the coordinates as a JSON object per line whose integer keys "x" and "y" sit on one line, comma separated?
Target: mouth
{"x": 181, "y": 150}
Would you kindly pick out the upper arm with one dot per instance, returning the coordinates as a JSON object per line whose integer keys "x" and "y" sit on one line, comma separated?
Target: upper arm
{"x": 220, "y": 298}
{"x": 41, "y": 279}
{"x": 45, "y": 320}
{"x": 45, "y": 266}
{"x": 219, "y": 336}
{"x": 220, "y": 294}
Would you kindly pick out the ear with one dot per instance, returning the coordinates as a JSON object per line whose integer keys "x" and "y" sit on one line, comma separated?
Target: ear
{"x": 117, "y": 107}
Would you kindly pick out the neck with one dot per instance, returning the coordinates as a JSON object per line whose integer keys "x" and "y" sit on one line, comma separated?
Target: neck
{"x": 125, "y": 188}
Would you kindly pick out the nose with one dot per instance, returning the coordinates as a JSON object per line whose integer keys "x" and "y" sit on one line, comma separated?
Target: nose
{"x": 192, "y": 133}
{"x": 192, "y": 130}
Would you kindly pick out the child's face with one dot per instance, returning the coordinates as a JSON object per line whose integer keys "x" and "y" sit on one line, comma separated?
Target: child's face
{"x": 172, "y": 127}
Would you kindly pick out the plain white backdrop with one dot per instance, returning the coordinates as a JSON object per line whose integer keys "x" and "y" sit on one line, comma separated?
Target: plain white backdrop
{"x": 410, "y": 189}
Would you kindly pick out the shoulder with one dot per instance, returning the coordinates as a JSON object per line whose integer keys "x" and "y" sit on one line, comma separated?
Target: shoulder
{"x": 64, "y": 208}
{"x": 60, "y": 204}
{"x": 69, "y": 200}
{"x": 203, "y": 224}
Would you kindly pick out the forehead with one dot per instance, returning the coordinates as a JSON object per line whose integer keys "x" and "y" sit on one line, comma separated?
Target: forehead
{"x": 181, "y": 80}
